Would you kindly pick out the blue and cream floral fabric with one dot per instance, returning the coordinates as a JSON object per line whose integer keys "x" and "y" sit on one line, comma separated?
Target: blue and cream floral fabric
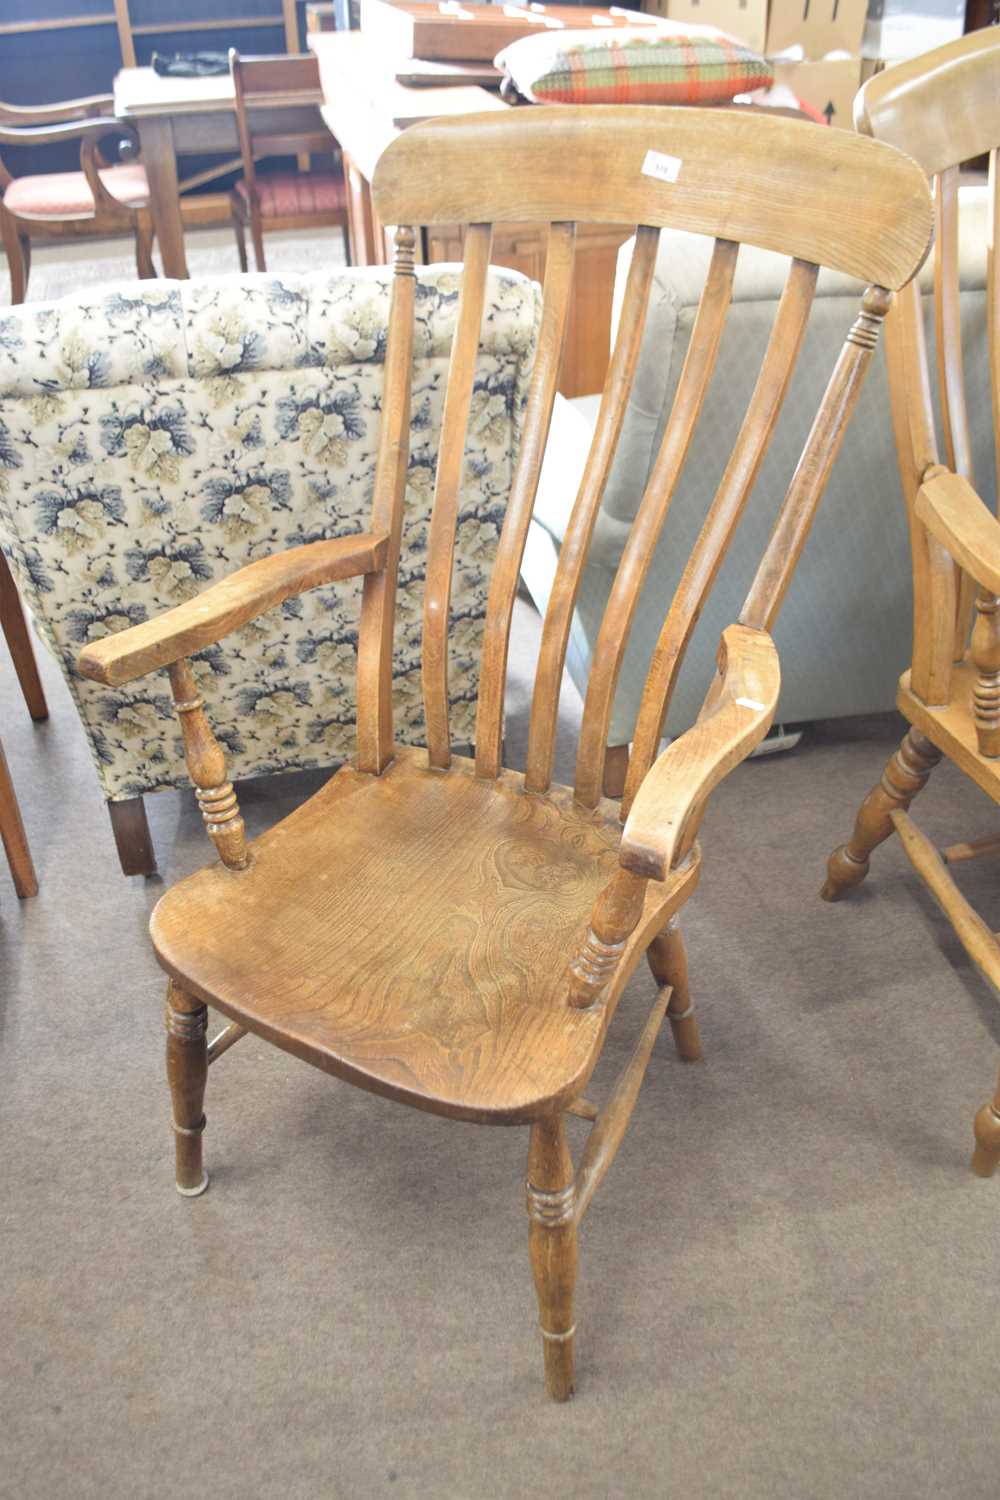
{"x": 159, "y": 436}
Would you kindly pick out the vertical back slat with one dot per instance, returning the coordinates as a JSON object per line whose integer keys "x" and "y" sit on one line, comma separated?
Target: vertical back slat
{"x": 950, "y": 368}
{"x": 375, "y": 632}
{"x": 576, "y": 542}
{"x": 609, "y": 652}
{"x": 447, "y": 487}
{"x": 993, "y": 306}
{"x": 722, "y": 519}
{"x": 794, "y": 519}
{"x": 503, "y": 588}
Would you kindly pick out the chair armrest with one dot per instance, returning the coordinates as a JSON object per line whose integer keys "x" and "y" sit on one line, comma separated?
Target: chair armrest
{"x": 952, "y": 511}
{"x": 71, "y": 130}
{"x": 683, "y": 776}
{"x": 227, "y": 605}
{"x": 50, "y": 114}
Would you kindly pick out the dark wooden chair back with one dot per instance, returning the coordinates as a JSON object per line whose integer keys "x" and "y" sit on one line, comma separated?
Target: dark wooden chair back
{"x": 821, "y": 197}
{"x": 272, "y": 81}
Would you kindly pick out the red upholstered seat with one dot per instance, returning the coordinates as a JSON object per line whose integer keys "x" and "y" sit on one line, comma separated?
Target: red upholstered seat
{"x": 66, "y": 195}
{"x": 285, "y": 194}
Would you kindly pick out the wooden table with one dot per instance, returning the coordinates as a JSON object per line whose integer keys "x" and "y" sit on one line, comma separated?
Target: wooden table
{"x": 365, "y": 108}
{"x": 190, "y": 117}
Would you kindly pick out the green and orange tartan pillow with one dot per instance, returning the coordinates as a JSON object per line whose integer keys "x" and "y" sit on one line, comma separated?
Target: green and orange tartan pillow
{"x": 669, "y": 63}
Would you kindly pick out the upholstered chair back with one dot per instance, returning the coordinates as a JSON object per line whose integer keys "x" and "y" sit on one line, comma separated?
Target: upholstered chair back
{"x": 156, "y": 437}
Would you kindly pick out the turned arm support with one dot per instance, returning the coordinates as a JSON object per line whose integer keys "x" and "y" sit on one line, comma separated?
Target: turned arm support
{"x": 672, "y": 794}
{"x": 952, "y": 511}
{"x": 228, "y": 605}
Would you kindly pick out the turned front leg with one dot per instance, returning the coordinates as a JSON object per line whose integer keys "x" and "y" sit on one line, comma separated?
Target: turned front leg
{"x": 206, "y": 763}
{"x": 985, "y": 656}
{"x": 187, "y": 1071}
{"x": 904, "y": 776}
{"x": 552, "y": 1247}
{"x": 667, "y": 958}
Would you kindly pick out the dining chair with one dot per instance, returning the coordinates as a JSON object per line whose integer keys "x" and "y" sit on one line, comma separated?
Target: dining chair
{"x": 442, "y": 930}
{"x": 15, "y": 631}
{"x": 99, "y": 199}
{"x": 942, "y": 108}
{"x": 278, "y": 198}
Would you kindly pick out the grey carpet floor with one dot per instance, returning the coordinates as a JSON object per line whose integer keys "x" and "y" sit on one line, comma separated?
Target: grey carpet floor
{"x": 788, "y": 1285}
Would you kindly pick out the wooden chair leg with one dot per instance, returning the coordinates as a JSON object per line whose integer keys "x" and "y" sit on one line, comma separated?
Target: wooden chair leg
{"x": 132, "y": 837}
{"x": 15, "y": 840}
{"x": 615, "y": 770}
{"x": 241, "y": 243}
{"x": 904, "y": 776}
{"x": 187, "y": 1073}
{"x": 667, "y": 958}
{"x": 15, "y": 629}
{"x": 257, "y": 235}
{"x": 17, "y": 263}
{"x": 552, "y": 1247}
{"x": 986, "y": 1156}
{"x": 144, "y": 248}
{"x": 345, "y": 231}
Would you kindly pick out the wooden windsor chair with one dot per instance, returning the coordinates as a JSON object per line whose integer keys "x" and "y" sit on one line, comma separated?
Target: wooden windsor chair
{"x": 443, "y": 931}
{"x": 943, "y": 109}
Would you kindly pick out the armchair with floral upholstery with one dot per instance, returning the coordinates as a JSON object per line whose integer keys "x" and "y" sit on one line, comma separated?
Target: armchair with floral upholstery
{"x": 155, "y": 437}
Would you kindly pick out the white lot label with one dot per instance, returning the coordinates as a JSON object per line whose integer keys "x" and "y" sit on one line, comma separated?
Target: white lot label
{"x": 658, "y": 164}
{"x": 749, "y": 703}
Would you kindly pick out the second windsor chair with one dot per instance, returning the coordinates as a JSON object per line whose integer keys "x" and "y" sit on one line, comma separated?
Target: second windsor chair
{"x": 943, "y": 108}
{"x": 440, "y": 930}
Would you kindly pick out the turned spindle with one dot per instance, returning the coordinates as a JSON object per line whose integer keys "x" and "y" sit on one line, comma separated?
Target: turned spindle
{"x": 206, "y": 763}
{"x": 985, "y": 656}
{"x": 187, "y": 1071}
{"x": 904, "y": 776}
{"x": 616, "y": 912}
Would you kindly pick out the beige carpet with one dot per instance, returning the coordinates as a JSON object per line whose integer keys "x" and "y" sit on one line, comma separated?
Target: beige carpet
{"x": 788, "y": 1285}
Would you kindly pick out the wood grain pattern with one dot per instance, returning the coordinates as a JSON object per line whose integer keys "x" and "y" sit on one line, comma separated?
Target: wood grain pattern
{"x": 447, "y": 487}
{"x": 449, "y": 994}
{"x": 637, "y": 557}
{"x": 762, "y": 181}
{"x": 534, "y": 435}
{"x": 951, "y": 510}
{"x": 228, "y": 605}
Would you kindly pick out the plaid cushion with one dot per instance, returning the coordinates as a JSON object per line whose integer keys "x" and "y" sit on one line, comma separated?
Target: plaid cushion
{"x": 670, "y": 63}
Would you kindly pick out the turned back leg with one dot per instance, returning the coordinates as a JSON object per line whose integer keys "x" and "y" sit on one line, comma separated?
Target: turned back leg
{"x": 187, "y": 1072}
{"x": 15, "y": 629}
{"x": 667, "y": 957}
{"x": 132, "y": 837}
{"x": 904, "y": 776}
{"x": 552, "y": 1247}
{"x": 15, "y": 840}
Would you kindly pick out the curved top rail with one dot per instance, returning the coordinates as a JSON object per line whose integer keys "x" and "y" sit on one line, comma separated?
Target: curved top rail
{"x": 942, "y": 107}
{"x": 807, "y": 191}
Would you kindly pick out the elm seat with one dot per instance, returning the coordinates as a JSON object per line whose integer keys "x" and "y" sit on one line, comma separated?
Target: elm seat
{"x": 67, "y": 195}
{"x": 489, "y": 1036}
{"x": 282, "y": 194}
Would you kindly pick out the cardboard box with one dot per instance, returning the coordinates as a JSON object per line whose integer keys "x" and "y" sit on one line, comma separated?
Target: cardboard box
{"x": 745, "y": 19}
{"x": 828, "y": 85}
{"x": 818, "y": 27}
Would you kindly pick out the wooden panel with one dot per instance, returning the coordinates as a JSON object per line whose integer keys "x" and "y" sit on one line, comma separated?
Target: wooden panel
{"x": 835, "y": 199}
